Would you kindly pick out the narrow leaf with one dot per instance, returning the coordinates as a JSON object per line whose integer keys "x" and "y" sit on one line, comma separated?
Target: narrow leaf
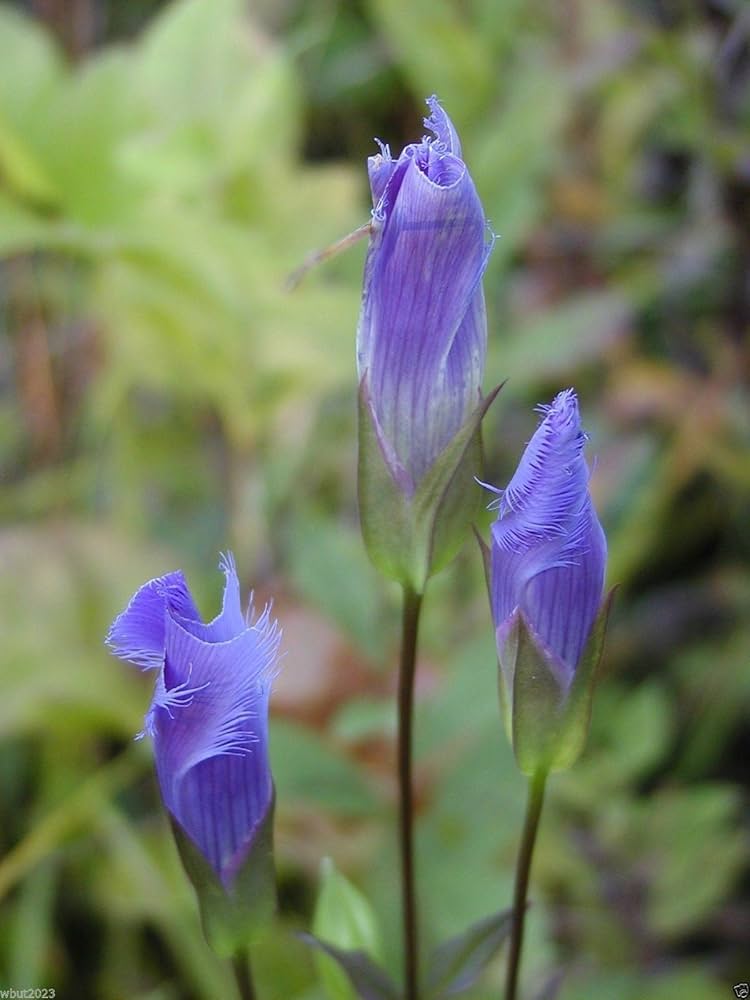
{"x": 345, "y": 919}
{"x": 551, "y": 989}
{"x": 457, "y": 963}
{"x": 368, "y": 979}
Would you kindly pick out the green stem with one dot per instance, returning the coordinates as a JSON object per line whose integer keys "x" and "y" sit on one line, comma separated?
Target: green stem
{"x": 243, "y": 974}
{"x": 407, "y": 668}
{"x": 523, "y": 868}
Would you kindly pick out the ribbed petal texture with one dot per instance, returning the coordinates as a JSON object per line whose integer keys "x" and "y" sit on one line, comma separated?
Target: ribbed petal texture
{"x": 138, "y": 634}
{"x": 209, "y": 714}
{"x": 422, "y": 334}
{"x": 548, "y": 548}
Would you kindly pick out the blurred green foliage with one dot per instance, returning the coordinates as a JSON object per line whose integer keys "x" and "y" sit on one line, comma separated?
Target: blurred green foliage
{"x": 163, "y": 398}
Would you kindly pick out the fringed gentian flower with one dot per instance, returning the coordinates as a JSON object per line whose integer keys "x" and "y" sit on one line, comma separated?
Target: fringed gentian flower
{"x": 547, "y": 564}
{"x": 422, "y": 333}
{"x": 421, "y": 345}
{"x": 209, "y": 714}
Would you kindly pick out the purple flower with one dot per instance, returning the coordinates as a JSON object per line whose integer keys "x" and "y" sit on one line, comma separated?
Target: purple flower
{"x": 209, "y": 714}
{"x": 548, "y": 550}
{"x": 422, "y": 333}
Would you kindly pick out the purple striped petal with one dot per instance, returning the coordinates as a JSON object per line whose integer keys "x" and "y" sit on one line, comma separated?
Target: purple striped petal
{"x": 138, "y": 633}
{"x": 231, "y": 620}
{"x": 209, "y": 725}
{"x": 209, "y": 714}
{"x": 442, "y": 127}
{"x": 548, "y": 548}
{"x": 422, "y": 334}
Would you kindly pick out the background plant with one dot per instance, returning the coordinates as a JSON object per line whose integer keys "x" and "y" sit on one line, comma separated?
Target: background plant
{"x": 163, "y": 398}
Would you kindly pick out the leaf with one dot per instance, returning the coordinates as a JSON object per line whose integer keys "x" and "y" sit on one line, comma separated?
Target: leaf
{"x": 557, "y": 342}
{"x": 20, "y": 169}
{"x": 331, "y": 571}
{"x": 367, "y": 978}
{"x": 551, "y": 988}
{"x": 440, "y": 52}
{"x": 344, "y": 919}
{"x": 31, "y": 66}
{"x": 456, "y": 964}
{"x": 308, "y": 769}
{"x": 20, "y": 229}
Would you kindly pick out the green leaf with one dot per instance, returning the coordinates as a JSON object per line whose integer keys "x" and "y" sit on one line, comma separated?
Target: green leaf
{"x": 233, "y": 918}
{"x": 367, "y": 978}
{"x": 21, "y": 170}
{"x": 553, "y": 344}
{"x": 309, "y": 770}
{"x": 31, "y": 67}
{"x": 440, "y": 52}
{"x": 688, "y": 831}
{"x": 191, "y": 53}
{"x": 345, "y": 919}
{"x": 331, "y": 572}
{"x": 456, "y": 964}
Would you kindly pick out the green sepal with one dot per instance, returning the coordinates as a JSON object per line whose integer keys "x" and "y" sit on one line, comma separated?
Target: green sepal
{"x": 505, "y": 676}
{"x": 233, "y": 918}
{"x": 408, "y": 538}
{"x": 549, "y": 720}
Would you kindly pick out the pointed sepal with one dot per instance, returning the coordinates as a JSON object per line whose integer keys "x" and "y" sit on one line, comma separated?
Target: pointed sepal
{"x": 549, "y": 713}
{"x": 411, "y": 533}
{"x": 575, "y": 728}
{"x": 456, "y": 964}
{"x": 384, "y": 510}
{"x": 232, "y": 918}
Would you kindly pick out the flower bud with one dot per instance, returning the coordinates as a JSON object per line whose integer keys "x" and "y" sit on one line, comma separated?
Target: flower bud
{"x": 209, "y": 724}
{"x": 422, "y": 333}
{"x": 421, "y": 345}
{"x": 547, "y": 563}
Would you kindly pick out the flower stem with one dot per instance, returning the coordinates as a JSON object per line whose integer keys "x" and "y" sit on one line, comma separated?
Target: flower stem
{"x": 523, "y": 867}
{"x": 243, "y": 974}
{"x": 410, "y": 627}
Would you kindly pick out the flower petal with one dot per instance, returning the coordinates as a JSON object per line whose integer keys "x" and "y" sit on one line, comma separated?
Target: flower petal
{"x": 138, "y": 633}
{"x": 550, "y": 482}
{"x": 220, "y": 804}
{"x": 209, "y": 724}
{"x": 442, "y": 127}
{"x": 422, "y": 295}
{"x": 563, "y": 601}
{"x": 379, "y": 171}
{"x": 548, "y": 548}
{"x": 230, "y": 621}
